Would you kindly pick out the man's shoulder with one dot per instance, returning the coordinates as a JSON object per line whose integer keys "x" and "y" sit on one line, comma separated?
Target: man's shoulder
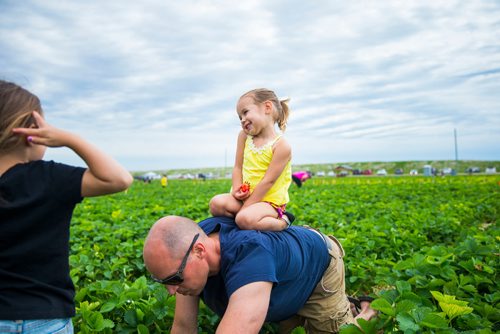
{"x": 214, "y": 224}
{"x": 228, "y": 229}
{"x": 232, "y": 234}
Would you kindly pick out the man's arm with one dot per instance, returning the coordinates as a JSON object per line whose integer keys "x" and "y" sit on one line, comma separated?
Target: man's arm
{"x": 247, "y": 309}
{"x": 186, "y": 315}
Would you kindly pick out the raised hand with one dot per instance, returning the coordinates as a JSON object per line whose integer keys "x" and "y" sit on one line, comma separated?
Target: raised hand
{"x": 42, "y": 133}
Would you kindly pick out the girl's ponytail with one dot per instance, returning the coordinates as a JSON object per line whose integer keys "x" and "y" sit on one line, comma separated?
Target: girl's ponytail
{"x": 283, "y": 113}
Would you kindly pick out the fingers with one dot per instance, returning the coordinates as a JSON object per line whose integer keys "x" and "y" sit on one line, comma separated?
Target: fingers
{"x": 24, "y": 131}
{"x": 42, "y": 133}
{"x": 240, "y": 195}
{"x": 34, "y": 132}
{"x": 40, "y": 122}
{"x": 30, "y": 134}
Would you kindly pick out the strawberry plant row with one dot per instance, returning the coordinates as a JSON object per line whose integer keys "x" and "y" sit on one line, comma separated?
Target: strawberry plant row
{"x": 426, "y": 247}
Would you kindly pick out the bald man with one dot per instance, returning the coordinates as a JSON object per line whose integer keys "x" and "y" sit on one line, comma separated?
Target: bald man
{"x": 294, "y": 277}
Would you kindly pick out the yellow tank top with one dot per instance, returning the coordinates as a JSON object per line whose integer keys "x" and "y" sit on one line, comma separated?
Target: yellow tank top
{"x": 256, "y": 161}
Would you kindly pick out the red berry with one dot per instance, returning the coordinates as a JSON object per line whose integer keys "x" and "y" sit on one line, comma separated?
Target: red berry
{"x": 245, "y": 187}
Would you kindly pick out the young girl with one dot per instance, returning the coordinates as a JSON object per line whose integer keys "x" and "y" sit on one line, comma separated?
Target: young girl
{"x": 37, "y": 199}
{"x": 262, "y": 170}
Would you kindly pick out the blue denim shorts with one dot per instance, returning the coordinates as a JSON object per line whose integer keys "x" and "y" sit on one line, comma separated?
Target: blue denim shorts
{"x": 45, "y": 326}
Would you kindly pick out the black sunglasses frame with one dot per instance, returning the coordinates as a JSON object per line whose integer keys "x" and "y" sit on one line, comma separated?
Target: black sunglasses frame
{"x": 177, "y": 278}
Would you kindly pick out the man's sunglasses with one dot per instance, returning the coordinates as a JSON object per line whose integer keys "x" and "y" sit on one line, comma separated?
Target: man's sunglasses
{"x": 177, "y": 278}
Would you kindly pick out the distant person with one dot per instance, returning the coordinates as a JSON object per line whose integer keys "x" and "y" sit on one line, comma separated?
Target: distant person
{"x": 294, "y": 277}
{"x": 262, "y": 170}
{"x": 37, "y": 199}
{"x": 300, "y": 177}
{"x": 164, "y": 181}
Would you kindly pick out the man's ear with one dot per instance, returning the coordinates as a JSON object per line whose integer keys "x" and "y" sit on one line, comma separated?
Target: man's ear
{"x": 199, "y": 250}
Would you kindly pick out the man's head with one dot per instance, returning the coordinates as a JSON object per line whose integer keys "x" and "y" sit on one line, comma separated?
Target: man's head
{"x": 175, "y": 255}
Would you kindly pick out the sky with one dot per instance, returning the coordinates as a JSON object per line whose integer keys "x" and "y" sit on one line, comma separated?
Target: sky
{"x": 155, "y": 83}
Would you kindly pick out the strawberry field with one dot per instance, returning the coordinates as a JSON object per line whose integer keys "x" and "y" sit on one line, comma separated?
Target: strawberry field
{"x": 426, "y": 247}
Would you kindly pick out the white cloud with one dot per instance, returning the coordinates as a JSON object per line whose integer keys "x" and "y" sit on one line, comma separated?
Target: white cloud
{"x": 368, "y": 81}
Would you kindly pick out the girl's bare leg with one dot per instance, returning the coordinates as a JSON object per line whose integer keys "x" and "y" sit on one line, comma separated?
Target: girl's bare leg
{"x": 224, "y": 205}
{"x": 260, "y": 216}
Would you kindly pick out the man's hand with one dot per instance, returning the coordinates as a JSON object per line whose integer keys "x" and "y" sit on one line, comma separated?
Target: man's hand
{"x": 247, "y": 309}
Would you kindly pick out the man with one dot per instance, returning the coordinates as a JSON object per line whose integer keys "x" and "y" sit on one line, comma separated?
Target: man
{"x": 294, "y": 277}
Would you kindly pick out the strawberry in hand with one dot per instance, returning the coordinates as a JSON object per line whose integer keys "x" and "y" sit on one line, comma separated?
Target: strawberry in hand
{"x": 245, "y": 187}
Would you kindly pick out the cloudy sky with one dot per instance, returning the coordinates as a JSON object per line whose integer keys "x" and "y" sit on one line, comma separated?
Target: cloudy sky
{"x": 155, "y": 82}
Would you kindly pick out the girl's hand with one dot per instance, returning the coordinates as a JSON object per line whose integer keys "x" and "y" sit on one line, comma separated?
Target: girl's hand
{"x": 240, "y": 195}
{"x": 104, "y": 175}
{"x": 44, "y": 133}
{"x": 242, "y": 192}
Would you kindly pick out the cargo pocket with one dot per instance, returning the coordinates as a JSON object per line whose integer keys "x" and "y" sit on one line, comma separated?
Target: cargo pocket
{"x": 331, "y": 325}
{"x": 333, "y": 279}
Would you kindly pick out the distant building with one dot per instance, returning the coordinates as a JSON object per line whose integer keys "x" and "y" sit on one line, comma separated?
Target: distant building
{"x": 428, "y": 170}
{"x": 343, "y": 170}
{"x": 490, "y": 170}
{"x": 343, "y": 167}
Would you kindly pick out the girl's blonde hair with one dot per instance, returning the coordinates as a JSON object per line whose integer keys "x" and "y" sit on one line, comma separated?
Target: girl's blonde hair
{"x": 16, "y": 108}
{"x": 282, "y": 111}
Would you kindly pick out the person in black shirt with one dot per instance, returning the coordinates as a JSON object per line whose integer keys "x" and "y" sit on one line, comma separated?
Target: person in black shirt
{"x": 37, "y": 199}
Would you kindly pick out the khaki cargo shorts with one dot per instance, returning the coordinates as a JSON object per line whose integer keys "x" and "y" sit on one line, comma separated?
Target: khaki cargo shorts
{"x": 328, "y": 307}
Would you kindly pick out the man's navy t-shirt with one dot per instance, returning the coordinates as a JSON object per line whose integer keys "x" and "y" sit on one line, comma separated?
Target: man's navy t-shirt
{"x": 294, "y": 260}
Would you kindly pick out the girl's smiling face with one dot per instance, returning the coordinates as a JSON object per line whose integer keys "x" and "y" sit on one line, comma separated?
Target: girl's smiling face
{"x": 252, "y": 116}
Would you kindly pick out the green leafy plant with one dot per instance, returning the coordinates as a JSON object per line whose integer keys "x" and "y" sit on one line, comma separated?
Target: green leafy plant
{"x": 426, "y": 247}
{"x": 451, "y": 307}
